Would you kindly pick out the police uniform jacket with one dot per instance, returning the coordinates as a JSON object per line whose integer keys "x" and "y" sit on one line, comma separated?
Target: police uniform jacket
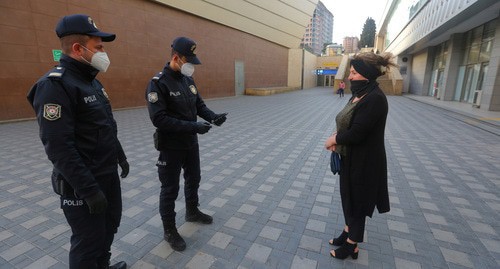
{"x": 174, "y": 104}
{"x": 77, "y": 127}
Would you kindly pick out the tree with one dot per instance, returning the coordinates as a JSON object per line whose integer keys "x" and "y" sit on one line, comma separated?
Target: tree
{"x": 367, "y": 38}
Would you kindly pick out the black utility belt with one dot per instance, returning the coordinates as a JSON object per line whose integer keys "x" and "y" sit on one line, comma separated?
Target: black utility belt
{"x": 179, "y": 141}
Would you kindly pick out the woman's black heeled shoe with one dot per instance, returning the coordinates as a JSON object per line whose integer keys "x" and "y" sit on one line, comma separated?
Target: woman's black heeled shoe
{"x": 339, "y": 241}
{"x": 345, "y": 250}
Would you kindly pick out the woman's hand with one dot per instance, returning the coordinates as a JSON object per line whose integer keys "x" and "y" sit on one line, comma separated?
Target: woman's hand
{"x": 331, "y": 142}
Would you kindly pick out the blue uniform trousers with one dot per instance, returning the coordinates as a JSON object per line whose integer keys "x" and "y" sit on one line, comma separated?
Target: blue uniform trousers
{"x": 92, "y": 234}
{"x": 170, "y": 163}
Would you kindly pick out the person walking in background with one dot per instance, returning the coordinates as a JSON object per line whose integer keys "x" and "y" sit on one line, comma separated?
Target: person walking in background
{"x": 359, "y": 140}
{"x": 174, "y": 104}
{"x": 341, "y": 89}
{"x": 79, "y": 133}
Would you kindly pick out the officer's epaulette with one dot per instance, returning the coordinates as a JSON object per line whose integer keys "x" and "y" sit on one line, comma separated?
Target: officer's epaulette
{"x": 157, "y": 76}
{"x": 56, "y": 72}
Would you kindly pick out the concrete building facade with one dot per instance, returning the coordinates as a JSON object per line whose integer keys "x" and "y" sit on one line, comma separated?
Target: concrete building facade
{"x": 350, "y": 44}
{"x": 320, "y": 29}
{"x": 326, "y": 69}
{"x": 334, "y": 49}
{"x": 240, "y": 43}
{"x": 449, "y": 49}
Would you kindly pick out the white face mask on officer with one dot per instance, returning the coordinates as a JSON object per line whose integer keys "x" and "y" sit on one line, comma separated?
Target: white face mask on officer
{"x": 187, "y": 69}
{"x": 99, "y": 60}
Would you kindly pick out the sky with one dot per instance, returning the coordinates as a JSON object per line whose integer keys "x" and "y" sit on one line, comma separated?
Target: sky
{"x": 349, "y": 16}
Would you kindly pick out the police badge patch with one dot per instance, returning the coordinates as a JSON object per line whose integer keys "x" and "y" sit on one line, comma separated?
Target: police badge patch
{"x": 152, "y": 97}
{"x": 51, "y": 111}
{"x": 193, "y": 89}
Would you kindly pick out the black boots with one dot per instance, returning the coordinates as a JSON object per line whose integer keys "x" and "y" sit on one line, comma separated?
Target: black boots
{"x": 346, "y": 250}
{"x": 193, "y": 214}
{"x": 339, "y": 241}
{"x": 118, "y": 265}
{"x": 173, "y": 237}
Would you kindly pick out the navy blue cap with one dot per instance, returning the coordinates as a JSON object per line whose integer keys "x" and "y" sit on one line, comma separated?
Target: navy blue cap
{"x": 82, "y": 25}
{"x": 186, "y": 48}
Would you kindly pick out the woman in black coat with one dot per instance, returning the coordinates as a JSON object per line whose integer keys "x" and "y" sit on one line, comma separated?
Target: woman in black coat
{"x": 360, "y": 142}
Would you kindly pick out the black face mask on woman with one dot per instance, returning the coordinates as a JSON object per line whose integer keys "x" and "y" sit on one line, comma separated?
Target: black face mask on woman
{"x": 360, "y": 87}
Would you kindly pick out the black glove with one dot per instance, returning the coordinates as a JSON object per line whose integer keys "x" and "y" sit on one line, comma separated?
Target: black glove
{"x": 97, "y": 203}
{"x": 125, "y": 168}
{"x": 202, "y": 127}
{"x": 219, "y": 119}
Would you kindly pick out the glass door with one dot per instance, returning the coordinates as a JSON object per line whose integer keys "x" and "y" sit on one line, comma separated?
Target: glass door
{"x": 437, "y": 82}
{"x": 470, "y": 83}
{"x": 476, "y": 99}
{"x": 482, "y": 73}
{"x": 432, "y": 87}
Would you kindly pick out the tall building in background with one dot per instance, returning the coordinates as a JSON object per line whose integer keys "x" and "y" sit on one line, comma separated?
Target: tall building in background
{"x": 351, "y": 44}
{"x": 319, "y": 31}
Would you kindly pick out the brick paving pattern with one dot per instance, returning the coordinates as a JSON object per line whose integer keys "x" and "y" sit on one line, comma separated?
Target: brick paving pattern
{"x": 266, "y": 182}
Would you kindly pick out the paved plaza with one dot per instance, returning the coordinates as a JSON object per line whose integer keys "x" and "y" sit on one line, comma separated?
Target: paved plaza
{"x": 266, "y": 181}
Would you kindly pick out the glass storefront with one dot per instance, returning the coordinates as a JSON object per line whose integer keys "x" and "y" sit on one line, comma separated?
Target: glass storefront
{"x": 438, "y": 66}
{"x": 476, "y": 57}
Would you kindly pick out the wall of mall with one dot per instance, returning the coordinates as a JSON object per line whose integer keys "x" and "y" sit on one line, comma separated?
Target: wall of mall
{"x": 417, "y": 73}
{"x": 436, "y": 23}
{"x": 144, "y": 30}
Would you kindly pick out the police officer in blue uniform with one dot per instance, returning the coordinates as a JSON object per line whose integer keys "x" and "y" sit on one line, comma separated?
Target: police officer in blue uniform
{"x": 79, "y": 134}
{"x": 174, "y": 104}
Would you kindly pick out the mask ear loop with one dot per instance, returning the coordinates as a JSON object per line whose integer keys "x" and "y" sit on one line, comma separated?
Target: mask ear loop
{"x": 86, "y": 50}
{"x": 178, "y": 66}
{"x": 180, "y": 58}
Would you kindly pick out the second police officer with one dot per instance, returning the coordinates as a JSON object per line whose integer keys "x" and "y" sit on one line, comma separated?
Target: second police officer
{"x": 174, "y": 104}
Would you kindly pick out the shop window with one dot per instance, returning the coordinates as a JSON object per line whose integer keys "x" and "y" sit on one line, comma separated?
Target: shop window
{"x": 473, "y": 54}
{"x": 477, "y": 53}
{"x": 485, "y": 53}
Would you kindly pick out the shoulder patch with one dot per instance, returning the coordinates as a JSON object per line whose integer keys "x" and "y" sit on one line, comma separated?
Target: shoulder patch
{"x": 193, "y": 89}
{"x": 51, "y": 111}
{"x": 157, "y": 76}
{"x": 56, "y": 72}
{"x": 152, "y": 97}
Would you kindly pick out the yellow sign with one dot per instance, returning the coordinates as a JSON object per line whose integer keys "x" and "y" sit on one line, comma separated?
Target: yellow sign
{"x": 330, "y": 64}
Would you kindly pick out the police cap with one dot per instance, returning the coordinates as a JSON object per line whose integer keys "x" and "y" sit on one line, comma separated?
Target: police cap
{"x": 186, "y": 48}
{"x": 81, "y": 24}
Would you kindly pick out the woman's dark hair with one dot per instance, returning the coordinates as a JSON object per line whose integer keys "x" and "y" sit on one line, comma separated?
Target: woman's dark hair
{"x": 384, "y": 59}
